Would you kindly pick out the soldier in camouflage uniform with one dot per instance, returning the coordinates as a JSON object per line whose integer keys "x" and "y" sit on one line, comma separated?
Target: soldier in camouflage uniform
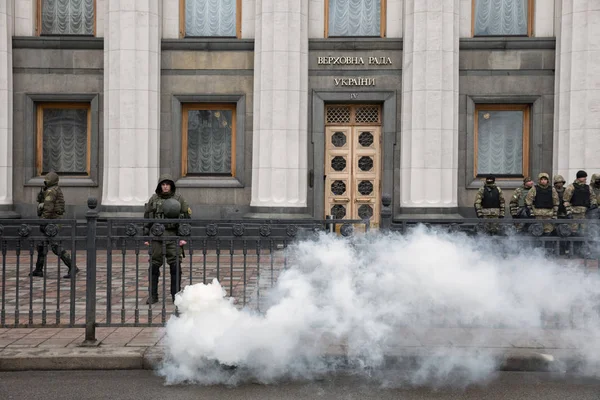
{"x": 559, "y": 186}
{"x": 517, "y": 206}
{"x": 489, "y": 203}
{"x": 595, "y": 185}
{"x": 579, "y": 198}
{"x": 543, "y": 201}
{"x": 156, "y": 208}
{"x": 51, "y": 205}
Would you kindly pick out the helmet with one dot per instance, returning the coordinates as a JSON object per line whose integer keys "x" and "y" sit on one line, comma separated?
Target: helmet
{"x": 171, "y": 208}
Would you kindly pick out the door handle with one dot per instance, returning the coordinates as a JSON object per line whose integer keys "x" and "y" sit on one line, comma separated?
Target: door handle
{"x": 363, "y": 201}
{"x": 341, "y": 200}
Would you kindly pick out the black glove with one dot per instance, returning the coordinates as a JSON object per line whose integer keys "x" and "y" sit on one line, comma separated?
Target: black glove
{"x": 569, "y": 216}
{"x": 40, "y": 196}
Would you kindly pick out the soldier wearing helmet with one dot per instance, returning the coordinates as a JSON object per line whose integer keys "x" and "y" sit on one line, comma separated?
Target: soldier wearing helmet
{"x": 489, "y": 203}
{"x": 543, "y": 201}
{"x": 579, "y": 198}
{"x": 165, "y": 203}
{"x": 51, "y": 205}
{"x": 559, "y": 186}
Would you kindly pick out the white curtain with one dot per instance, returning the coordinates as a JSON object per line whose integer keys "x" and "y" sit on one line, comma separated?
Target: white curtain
{"x": 68, "y": 17}
{"x": 500, "y": 143}
{"x": 64, "y": 140}
{"x": 209, "y": 142}
{"x": 210, "y": 18}
{"x": 355, "y": 17}
{"x": 500, "y": 17}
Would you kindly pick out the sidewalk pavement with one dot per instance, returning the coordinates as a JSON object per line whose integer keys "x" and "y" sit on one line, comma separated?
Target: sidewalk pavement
{"x": 143, "y": 348}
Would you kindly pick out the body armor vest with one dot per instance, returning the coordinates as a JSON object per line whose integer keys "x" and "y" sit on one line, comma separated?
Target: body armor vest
{"x": 543, "y": 197}
{"x": 581, "y": 196}
{"x": 491, "y": 198}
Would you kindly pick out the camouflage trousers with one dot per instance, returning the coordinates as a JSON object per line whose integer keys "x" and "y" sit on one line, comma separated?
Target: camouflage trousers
{"x": 492, "y": 228}
{"x": 544, "y": 214}
{"x": 173, "y": 254}
{"x": 578, "y": 213}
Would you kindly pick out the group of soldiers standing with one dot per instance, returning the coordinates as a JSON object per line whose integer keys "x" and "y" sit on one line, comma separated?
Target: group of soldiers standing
{"x": 542, "y": 201}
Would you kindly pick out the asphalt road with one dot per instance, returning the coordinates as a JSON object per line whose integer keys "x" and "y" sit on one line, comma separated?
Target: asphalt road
{"x": 145, "y": 385}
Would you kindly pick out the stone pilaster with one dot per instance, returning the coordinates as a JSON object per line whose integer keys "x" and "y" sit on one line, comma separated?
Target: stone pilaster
{"x": 131, "y": 101}
{"x": 279, "y": 156}
{"x": 577, "y": 99}
{"x": 429, "y": 146}
{"x": 6, "y": 103}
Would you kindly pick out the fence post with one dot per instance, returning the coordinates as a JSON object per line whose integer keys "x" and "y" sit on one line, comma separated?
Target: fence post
{"x": 90, "y": 284}
{"x": 386, "y": 212}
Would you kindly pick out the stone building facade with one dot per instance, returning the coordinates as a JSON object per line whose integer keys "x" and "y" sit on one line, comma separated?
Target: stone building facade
{"x": 294, "y": 107}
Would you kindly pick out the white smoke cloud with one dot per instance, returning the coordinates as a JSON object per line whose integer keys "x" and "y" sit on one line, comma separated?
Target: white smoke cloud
{"x": 365, "y": 298}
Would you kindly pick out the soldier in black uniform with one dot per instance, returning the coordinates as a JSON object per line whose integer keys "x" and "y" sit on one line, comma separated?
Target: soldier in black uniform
{"x": 165, "y": 203}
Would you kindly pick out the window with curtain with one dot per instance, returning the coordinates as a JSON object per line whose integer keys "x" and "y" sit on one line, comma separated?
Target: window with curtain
{"x": 63, "y": 138}
{"x": 208, "y": 140}
{"x": 502, "y": 140}
{"x": 354, "y": 17}
{"x": 205, "y": 18}
{"x": 502, "y": 17}
{"x": 66, "y": 17}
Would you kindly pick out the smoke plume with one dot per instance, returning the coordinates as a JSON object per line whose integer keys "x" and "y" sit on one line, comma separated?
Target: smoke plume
{"x": 351, "y": 303}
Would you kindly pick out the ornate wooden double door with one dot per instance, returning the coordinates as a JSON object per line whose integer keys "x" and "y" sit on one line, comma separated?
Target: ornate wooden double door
{"x": 353, "y": 162}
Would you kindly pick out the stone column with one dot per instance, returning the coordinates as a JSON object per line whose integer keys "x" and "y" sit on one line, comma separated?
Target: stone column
{"x": 577, "y": 98}
{"x": 429, "y": 144}
{"x": 6, "y": 102}
{"x": 279, "y": 151}
{"x": 131, "y": 101}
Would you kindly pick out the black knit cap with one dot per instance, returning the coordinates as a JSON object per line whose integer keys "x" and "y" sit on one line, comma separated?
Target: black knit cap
{"x": 581, "y": 174}
{"x": 490, "y": 178}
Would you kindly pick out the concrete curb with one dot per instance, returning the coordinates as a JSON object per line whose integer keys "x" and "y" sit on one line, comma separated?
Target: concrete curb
{"x": 117, "y": 358}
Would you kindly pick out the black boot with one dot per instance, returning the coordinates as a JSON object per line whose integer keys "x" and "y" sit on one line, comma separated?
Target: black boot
{"x": 39, "y": 268}
{"x": 66, "y": 258}
{"x": 175, "y": 279}
{"x": 39, "y": 265}
{"x": 37, "y": 272}
{"x": 153, "y": 289}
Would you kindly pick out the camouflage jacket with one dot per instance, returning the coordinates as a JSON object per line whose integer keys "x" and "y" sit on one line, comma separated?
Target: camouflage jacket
{"x": 489, "y": 211}
{"x": 569, "y": 194}
{"x": 595, "y": 188}
{"x": 518, "y": 199}
{"x": 561, "y": 207}
{"x": 51, "y": 200}
{"x": 530, "y": 199}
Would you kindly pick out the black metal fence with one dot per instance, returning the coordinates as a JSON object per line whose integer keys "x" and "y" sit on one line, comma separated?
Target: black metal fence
{"x": 245, "y": 256}
{"x": 114, "y": 259}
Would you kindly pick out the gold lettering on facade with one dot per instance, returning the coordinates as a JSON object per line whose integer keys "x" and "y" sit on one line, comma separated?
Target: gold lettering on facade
{"x": 335, "y": 60}
{"x": 354, "y": 81}
{"x": 380, "y": 61}
{"x": 340, "y": 61}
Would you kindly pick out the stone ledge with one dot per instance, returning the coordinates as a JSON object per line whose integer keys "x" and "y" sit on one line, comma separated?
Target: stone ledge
{"x": 507, "y": 43}
{"x": 58, "y": 42}
{"x": 220, "y": 44}
{"x": 367, "y": 44}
